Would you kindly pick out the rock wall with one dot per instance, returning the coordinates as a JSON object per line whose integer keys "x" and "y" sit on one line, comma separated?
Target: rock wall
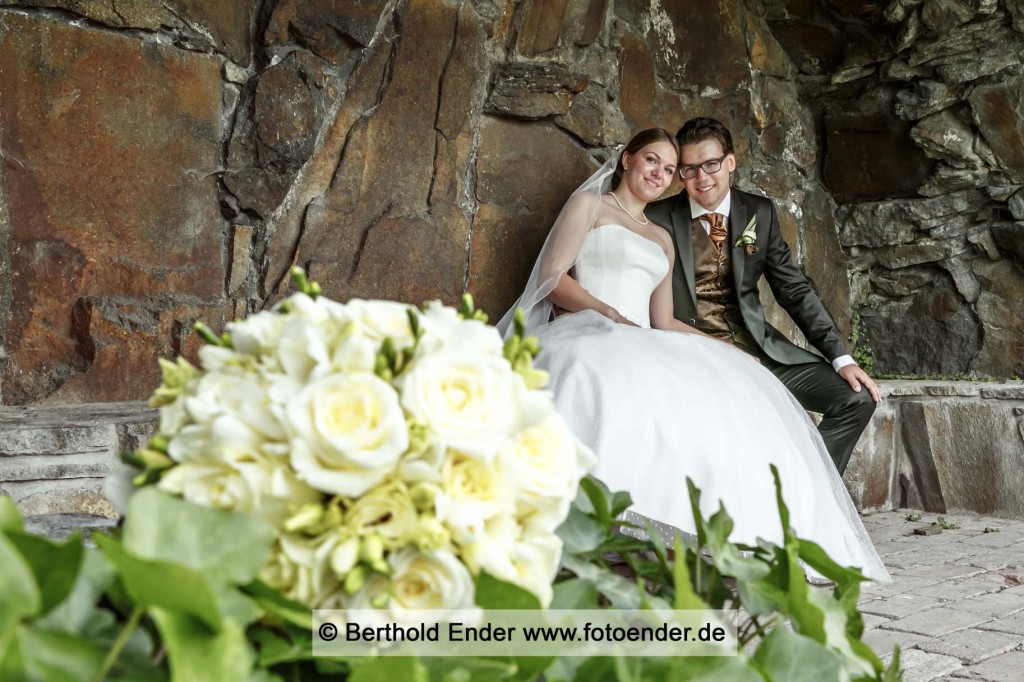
{"x": 165, "y": 162}
{"x": 918, "y": 105}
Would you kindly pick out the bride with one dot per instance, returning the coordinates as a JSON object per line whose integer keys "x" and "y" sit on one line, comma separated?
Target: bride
{"x": 656, "y": 399}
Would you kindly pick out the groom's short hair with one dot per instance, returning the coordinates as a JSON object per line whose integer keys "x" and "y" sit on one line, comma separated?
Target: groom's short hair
{"x": 699, "y": 129}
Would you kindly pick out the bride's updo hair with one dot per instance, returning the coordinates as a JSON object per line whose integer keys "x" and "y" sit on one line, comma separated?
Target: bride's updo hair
{"x": 638, "y": 142}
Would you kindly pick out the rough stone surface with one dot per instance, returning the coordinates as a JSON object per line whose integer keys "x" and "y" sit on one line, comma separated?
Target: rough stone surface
{"x": 533, "y": 91}
{"x": 115, "y": 232}
{"x": 330, "y": 29}
{"x": 1001, "y": 305}
{"x": 999, "y": 115}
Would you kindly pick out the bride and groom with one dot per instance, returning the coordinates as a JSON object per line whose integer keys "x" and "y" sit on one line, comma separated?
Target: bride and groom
{"x": 621, "y": 275}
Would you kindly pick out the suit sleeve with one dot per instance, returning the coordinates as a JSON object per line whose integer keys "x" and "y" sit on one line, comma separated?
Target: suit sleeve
{"x": 796, "y": 296}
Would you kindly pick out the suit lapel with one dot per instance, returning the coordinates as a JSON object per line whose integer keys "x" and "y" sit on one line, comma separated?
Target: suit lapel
{"x": 682, "y": 225}
{"x": 737, "y": 221}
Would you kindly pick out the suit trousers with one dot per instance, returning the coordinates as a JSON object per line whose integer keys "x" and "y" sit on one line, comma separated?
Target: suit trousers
{"x": 819, "y": 388}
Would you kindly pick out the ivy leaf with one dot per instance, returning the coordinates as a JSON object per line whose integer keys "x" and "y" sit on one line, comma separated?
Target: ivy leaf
{"x": 171, "y": 586}
{"x": 580, "y": 532}
{"x": 575, "y": 594}
{"x": 78, "y": 611}
{"x": 492, "y": 593}
{"x": 59, "y": 656}
{"x": 19, "y": 593}
{"x": 54, "y": 565}
{"x": 785, "y": 655}
{"x": 685, "y": 597}
{"x": 198, "y": 655}
{"x": 214, "y": 541}
{"x": 597, "y": 493}
{"x": 277, "y": 605}
{"x": 10, "y": 517}
{"x": 388, "y": 669}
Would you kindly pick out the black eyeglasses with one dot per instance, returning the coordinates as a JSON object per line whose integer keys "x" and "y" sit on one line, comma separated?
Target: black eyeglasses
{"x": 710, "y": 166}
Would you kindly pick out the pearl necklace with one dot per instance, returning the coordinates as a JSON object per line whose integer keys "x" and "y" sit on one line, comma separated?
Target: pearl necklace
{"x": 645, "y": 221}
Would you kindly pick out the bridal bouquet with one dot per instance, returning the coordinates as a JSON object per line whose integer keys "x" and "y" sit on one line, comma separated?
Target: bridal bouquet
{"x": 396, "y": 452}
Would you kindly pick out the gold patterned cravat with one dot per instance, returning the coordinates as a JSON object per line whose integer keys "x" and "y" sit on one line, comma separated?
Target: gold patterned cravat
{"x": 718, "y": 231}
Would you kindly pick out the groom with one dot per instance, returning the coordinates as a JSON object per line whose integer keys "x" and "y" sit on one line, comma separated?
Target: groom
{"x": 726, "y": 240}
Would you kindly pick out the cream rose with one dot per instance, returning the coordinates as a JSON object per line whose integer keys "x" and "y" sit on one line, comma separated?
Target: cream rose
{"x": 529, "y": 560}
{"x": 348, "y": 432}
{"x": 443, "y": 327}
{"x": 466, "y": 399}
{"x": 420, "y": 581}
{"x": 548, "y": 462}
{"x": 386, "y": 510}
{"x": 377, "y": 320}
{"x": 300, "y": 567}
{"x": 472, "y": 491}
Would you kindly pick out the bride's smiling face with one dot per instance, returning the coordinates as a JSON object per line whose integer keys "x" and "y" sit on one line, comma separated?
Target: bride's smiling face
{"x": 648, "y": 172}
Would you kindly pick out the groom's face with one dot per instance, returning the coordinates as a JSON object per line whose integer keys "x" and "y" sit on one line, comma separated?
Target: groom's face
{"x": 707, "y": 189}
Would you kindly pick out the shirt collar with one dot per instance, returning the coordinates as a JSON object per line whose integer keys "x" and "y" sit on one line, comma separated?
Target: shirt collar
{"x": 698, "y": 211}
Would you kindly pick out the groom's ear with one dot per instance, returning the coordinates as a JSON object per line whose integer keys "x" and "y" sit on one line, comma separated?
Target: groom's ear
{"x": 730, "y": 162}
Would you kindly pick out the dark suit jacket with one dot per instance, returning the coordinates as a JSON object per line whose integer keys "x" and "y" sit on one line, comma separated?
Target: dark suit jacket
{"x": 773, "y": 260}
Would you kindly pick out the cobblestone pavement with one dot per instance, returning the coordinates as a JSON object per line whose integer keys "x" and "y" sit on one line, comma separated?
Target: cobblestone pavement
{"x": 956, "y": 603}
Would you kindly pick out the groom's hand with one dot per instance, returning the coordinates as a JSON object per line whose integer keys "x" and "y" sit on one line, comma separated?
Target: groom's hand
{"x": 857, "y": 377}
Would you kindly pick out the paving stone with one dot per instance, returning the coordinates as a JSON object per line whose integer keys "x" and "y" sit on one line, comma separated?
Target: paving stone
{"x": 921, "y": 666}
{"x": 953, "y": 590}
{"x": 995, "y": 604}
{"x": 883, "y": 641}
{"x": 992, "y": 560}
{"x": 901, "y": 582}
{"x": 972, "y": 646}
{"x": 1002, "y": 668}
{"x": 900, "y": 605}
{"x": 935, "y": 556}
{"x": 941, "y": 572}
{"x": 872, "y": 621}
{"x": 1003, "y": 538}
{"x": 937, "y": 622}
{"x": 1013, "y": 624}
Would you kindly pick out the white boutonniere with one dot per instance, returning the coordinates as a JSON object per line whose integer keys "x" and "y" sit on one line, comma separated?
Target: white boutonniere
{"x": 748, "y": 237}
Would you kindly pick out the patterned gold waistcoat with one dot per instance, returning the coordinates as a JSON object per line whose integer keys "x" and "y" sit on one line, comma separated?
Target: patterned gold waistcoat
{"x": 718, "y": 310}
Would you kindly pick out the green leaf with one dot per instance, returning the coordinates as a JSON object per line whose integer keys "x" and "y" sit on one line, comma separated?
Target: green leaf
{"x": 575, "y": 594}
{"x": 10, "y": 517}
{"x": 685, "y": 597}
{"x": 59, "y": 656}
{"x": 698, "y": 518}
{"x": 845, "y": 578}
{"x": 214, "y": 541}
{"x": 19, "y": 593}
{"x": 276, "y": 604}
{"x": 198, "y": 655}
{"x": 893, "y": 673}
{"x": 75, "y": 614}
{"x": 163, "y": 584}
{"x": 787, "y": 534}
{"x": 597, "y": 493}
{"x": 388, "y": 669}
{"x": 273, "y": 647}
{"x": 621, "y": 501}
{"x": 788, "y": 656}
{"x": 54, "y": 565}
{"x": 492, "y": 593}
{"x": 580, "y": 532}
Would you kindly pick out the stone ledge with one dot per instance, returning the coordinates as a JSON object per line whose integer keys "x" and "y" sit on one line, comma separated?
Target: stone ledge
{"x": 943, "y": 446}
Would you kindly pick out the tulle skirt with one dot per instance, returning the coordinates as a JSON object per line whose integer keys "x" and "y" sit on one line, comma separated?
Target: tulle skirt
{"x": 660, "y": 406}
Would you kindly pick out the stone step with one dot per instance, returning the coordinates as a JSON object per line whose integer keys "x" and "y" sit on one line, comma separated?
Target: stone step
{"x": 53, "y": 458}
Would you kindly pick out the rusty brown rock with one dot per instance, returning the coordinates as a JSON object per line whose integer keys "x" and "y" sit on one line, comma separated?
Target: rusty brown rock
{"x": 1001, "y": 308}
{"x": 542, "y": 26}
{"x": 392, "y": 222}
{"x": 595, "y": 119}
{"x": 824, "y": 261}
{"x": 525, "y": 172}
{"x": 225, "y": 25}
{"x": 464, "y": 87}
{"x": 333, "y": 30}
{"x": 98, "y": 205}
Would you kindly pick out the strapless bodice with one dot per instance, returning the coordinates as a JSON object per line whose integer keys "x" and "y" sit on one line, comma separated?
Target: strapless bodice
{"x": 622, "y": 269}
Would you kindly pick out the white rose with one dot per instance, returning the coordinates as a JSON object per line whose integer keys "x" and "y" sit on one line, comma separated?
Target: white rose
{"x": 377, "y": 320}
{"x": 466, "y": 399}
{"x": 420, "y": 581}
{"x": 243, "y": 397}
{"x": 300, "y": 567}
{"x": 387, "y": 511}
{"x": 257, "y": 335}
{"x": 548, "y": 462}
{"x": 505, "y": 551}
{"x": 472, "y": 491}
{"x": 302, "y": 348}
{"x": 348, "y": 433}
{"x": 443, "y": 326}
{"x": 252, "y": 482}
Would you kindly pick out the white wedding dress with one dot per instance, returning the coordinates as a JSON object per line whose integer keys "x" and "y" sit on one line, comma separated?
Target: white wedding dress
{"x": 658, "y": 406}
